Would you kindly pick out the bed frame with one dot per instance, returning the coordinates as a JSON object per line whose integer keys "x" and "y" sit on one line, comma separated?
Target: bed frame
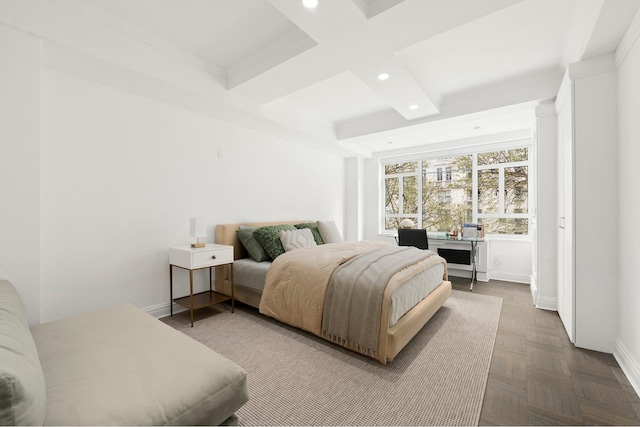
{"x": 397, "y": 336}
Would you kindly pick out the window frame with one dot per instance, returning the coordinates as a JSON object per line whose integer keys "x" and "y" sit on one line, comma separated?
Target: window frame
{"x": 421, "y": 157}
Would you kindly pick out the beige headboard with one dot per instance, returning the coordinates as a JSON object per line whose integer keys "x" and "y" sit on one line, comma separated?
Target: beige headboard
{"x": 226, "y": 235}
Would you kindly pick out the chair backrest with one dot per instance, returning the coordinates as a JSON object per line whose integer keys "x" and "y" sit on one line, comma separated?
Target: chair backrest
{"x": 413, "y": 237}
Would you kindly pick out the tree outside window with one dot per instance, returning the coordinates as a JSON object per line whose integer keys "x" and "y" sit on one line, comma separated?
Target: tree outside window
{"x": 438, "y": 193}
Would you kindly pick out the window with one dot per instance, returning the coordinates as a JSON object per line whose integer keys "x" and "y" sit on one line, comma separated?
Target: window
{"x": 401, "y": 193}
{"x": 443, "y": 177}
{"x": 490, "y": 188}
{"x": 445, "y": 196}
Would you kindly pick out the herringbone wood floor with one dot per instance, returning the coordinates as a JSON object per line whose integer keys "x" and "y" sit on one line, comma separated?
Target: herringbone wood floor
{"x": 538, "y": 377}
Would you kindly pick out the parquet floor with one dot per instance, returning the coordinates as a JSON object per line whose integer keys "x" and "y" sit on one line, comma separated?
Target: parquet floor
{"x": 538, "y": 377}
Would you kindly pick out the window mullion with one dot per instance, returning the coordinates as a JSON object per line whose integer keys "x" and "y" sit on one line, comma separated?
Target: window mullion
{"x": 501, "y": 209}
{"x": 401, "y": 195}
{"x": 419, "y": 181}
{"x": 474, "y": 187}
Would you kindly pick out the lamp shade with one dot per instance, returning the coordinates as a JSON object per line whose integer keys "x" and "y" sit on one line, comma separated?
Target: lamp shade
{"x": 198, "y": 227}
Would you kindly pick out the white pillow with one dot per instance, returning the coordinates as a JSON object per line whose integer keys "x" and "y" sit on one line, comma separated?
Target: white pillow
{"x": 294, "y": 239}
{"x": 329, "y": 231}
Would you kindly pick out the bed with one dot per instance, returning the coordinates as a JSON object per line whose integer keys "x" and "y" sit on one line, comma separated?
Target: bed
{"x": 282, "y": 289}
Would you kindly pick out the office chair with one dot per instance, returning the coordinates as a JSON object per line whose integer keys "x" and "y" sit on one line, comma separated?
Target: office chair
{"x": 413, "y": 237}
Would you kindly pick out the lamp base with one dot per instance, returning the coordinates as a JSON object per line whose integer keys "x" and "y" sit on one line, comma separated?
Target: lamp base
{"x": 198, "y": 245}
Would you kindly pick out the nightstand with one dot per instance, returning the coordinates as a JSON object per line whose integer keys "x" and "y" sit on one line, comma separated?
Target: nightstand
{"x": 192, "y": 259}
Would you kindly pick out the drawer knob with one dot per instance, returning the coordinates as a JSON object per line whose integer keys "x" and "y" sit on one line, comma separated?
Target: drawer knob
{"x": 213, "y": 257}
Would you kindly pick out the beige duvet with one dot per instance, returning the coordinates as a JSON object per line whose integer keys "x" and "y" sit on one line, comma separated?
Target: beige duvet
{"x": 297, "y": 281}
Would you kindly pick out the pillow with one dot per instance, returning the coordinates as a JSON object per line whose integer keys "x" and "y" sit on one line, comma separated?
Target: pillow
{"x": 22, "y": 389}
{"x": 329, "y": 232}
{"x": 294, "y": 239}
{"x": 269, "y": 239}
{"x": 314, "y": 230}
{"x": 251, "y": 244}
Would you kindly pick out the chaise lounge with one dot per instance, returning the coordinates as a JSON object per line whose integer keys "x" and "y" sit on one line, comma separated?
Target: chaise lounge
{"x": 115, "y": 366}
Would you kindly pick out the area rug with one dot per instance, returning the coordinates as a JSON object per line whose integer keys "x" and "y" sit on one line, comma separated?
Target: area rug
{"x": 295, "y": 378}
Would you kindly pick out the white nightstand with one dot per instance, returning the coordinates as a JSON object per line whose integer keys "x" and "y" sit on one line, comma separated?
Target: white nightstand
{"x": 192, "y": 259}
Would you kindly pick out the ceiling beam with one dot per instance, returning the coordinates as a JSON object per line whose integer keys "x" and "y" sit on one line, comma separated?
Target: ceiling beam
{"x": 346, "y": 40}
{"x": 541, "y": 86}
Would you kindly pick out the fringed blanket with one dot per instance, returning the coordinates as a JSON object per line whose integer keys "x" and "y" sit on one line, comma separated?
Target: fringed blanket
{"x": 353, "y": 303}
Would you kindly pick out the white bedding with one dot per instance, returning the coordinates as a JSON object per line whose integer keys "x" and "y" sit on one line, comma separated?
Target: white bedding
{"x": 252, "y": 274}
{"x": 414, "y": 291}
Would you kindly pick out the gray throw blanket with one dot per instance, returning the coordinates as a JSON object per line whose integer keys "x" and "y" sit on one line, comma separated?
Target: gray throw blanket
{"x": 353, "y": 302}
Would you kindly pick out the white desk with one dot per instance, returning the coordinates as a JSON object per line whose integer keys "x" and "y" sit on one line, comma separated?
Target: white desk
{"x": 474, "y": 242}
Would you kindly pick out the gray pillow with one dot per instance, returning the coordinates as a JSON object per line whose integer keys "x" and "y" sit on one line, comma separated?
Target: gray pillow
{"x": 269, "y": 238}
{"x": 314, "y": 230}
{"x": 251, "y": 244}
{"x": 296, "y": 239}
{"x": 329, "y": 232}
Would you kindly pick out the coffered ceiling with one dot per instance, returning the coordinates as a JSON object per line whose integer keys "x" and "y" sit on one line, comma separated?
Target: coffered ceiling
{"x": 457, "y": 68}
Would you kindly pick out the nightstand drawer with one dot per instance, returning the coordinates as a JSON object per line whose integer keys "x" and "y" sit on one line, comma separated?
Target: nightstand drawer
{"x": 212, "y": 257}
{"x": 193, "y": 258}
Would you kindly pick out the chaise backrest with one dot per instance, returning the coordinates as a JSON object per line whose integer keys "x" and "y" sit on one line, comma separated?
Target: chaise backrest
{"x": 22, "y": 386}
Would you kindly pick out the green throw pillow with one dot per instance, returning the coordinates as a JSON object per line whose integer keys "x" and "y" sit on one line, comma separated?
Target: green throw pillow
{"x": 314, "y": 230}
{"x": 270, "y": 240}
{"x": 251, "y": 244}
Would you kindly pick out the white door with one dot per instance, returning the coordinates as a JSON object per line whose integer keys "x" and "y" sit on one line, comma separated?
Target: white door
{"x": 565, "y": 219}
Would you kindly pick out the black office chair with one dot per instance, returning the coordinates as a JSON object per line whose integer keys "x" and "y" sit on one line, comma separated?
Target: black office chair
{"x": 413, "y": 237}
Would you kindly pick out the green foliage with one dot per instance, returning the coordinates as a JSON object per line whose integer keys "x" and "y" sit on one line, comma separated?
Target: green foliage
{"x": 447, "y": 189}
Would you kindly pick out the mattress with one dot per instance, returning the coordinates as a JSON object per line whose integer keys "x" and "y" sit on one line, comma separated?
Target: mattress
{"x": 121, "y": 366}
{"x": 252, "y": 274}
{"x": 413, "y": 291}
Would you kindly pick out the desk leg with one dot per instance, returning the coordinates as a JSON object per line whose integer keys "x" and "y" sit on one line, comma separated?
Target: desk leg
{"x": 473, "y": 264}
{"x": 191, "y": 295}
{"x": 171, "y": 288}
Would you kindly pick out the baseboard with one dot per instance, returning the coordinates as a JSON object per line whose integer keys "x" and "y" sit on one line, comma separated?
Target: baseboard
{"x": 163, "y": 310}
{"x": 547, "y": 303}
{"x": 510, "y": 277}
{"x": 630, "y": 367}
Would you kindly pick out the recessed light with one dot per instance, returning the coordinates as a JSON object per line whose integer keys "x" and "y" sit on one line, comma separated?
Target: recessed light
{"x": 310, "y": 4}
{"x": 390, "y": 142}
{"x": 383, "y": 76}
{"x": 413, "y": 107}
{"x": 476, "y": 127}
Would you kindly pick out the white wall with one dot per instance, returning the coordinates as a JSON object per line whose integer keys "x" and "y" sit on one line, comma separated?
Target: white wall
{"x": 101, "y": 167}
{"x": 546, "y": 291}
{"x": 19, "y": 166}
{"x": 509, "y": 259}
{"x": 354, "y": 198}
{"x": 121, "y": 175}
{"x": 628, "y": 343}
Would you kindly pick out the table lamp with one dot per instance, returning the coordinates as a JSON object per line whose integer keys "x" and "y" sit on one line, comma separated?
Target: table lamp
{"x": 198, "y": 229}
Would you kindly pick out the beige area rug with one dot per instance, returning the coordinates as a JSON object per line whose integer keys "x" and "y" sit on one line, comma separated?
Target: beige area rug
{"x": 295, "y": 378}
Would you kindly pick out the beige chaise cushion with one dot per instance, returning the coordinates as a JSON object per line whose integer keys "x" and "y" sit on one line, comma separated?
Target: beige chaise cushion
{"x": 22, "y": 385}
{"x": 122, "y": 366}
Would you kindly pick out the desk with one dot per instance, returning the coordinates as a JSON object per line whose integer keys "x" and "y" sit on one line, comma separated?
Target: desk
{"x": 474, "y": 242}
